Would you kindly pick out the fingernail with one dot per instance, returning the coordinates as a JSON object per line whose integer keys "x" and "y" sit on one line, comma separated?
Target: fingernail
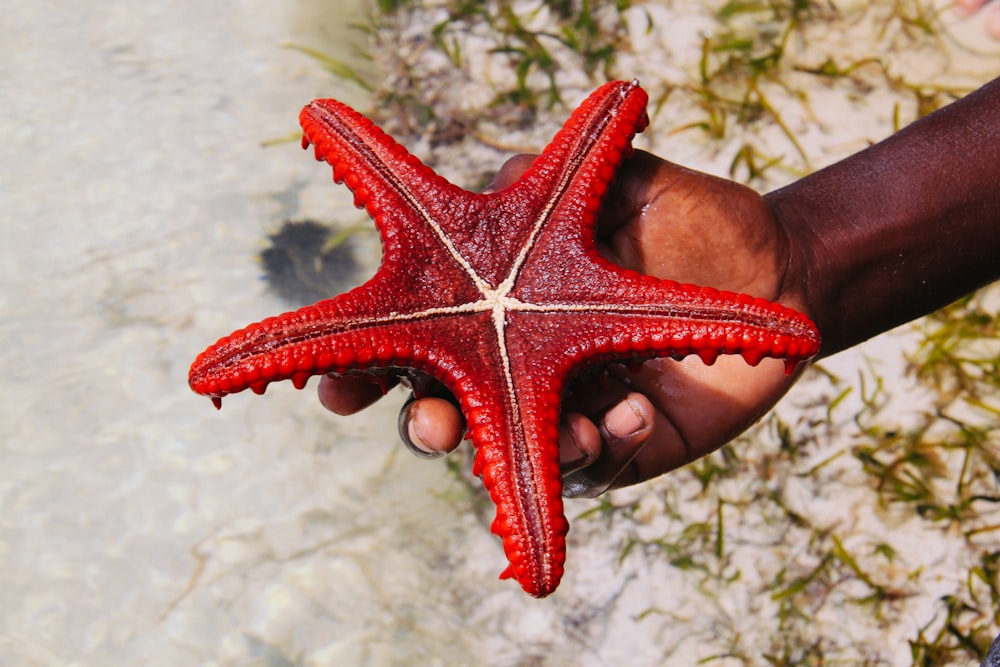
{"x": 409, "y": 433}
{"x": 624, "y": 420}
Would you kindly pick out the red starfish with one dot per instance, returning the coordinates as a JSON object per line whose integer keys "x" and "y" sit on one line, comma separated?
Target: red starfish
{"x": 503, "y": 297}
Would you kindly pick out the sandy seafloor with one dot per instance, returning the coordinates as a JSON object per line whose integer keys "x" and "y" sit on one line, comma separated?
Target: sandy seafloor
{"x": 140, "y": 527}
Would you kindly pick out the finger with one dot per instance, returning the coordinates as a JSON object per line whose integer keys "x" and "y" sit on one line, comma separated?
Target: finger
{"x": 431, "y": 427}
{"x": 579, "y": 443}
{"x": 509, "y": 172}
{"x": 347, "y": 394}
{"x": 595, "y": 394}
{"x": 625, "y": 430}
{"x": 660, "y": 448}
{"x": 629, "y": 192}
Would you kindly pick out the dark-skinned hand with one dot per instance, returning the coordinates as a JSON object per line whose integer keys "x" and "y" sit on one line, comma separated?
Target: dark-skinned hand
{"x": 670, "y": 222}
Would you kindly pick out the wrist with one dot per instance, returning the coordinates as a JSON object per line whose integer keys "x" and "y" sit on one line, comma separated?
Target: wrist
{"x": 901, "y": 228}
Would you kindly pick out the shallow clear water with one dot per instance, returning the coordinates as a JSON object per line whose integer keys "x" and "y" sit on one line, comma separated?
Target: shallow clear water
{"x": 137, "y": 524}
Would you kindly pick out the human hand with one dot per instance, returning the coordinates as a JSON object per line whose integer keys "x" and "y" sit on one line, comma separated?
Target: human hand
{"x": 670, "y": 222}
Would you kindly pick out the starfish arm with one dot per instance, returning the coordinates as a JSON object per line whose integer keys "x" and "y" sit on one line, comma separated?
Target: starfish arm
{"x": 380, "y": 172}
{"x": 512, "y": 412}
{"x": 363, "y": 330}
{"x": 673, "y": 319}
{"x": 330, "y": 336}
{"x": 567, "y": 182}
{"x": 708, "y": 328}
{"x": 408, "y": 201}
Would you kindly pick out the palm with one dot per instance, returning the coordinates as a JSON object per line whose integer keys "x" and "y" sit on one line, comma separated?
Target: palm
{"x": 674, "y": 223}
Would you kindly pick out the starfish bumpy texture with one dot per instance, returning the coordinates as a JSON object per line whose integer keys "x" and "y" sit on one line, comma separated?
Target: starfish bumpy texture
{"x": 504, "y": 298}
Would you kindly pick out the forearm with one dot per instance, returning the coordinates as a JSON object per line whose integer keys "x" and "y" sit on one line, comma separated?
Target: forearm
{"x": 901, "y": 228}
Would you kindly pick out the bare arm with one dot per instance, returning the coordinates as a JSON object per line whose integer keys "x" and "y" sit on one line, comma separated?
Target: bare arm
{"x": 901, "y": 228}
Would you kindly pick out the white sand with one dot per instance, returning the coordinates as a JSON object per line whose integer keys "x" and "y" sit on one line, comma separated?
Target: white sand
{"x": 140, "y": 527}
